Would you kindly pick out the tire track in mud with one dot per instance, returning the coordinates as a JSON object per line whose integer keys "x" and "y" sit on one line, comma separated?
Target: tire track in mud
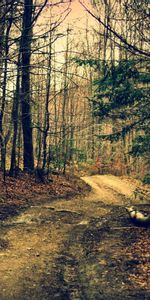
{"x": 94, "y": 265}
{"x": 83, "y": 257}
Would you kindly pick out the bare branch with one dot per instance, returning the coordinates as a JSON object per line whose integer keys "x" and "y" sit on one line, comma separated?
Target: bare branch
{"x": 120, "y": 37}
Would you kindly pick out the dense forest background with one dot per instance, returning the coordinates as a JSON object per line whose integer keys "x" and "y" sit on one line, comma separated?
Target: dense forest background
{"x": 74, "y": 94}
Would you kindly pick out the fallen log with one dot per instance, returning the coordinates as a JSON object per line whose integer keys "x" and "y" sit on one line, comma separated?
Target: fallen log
{"x": 138, "y": 217}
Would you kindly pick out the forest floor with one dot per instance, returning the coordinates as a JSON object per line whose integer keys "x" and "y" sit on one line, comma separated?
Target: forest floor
{"x": 18, "y": 193}
{"x": 71, "y": 248}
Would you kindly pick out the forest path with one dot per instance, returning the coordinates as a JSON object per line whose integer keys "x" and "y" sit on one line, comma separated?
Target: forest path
{"x": 72, "y": 249}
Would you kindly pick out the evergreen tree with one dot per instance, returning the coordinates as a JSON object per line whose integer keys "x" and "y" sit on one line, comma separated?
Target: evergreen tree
{"x": 123, "y": 95}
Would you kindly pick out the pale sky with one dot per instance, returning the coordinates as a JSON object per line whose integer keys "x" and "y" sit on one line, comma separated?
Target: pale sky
{"x": 77, "y": 12}
{"x": 76, "y": 19}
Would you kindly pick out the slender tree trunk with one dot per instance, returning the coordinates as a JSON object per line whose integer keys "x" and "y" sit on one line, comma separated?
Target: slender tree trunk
{"x": 38, "y": 138}
{"x": 92, "y": 127}
{"x": 71, "y": 137}
{"x": 15, "y": 119}
{"x": 56, "y": 116}
{"x": 2, "y": 138}
{"x": 46, "y": 117}
{"x": 19, "y": 144}
{"x": 65, "y": 98}
{"x": 2, "y": 27}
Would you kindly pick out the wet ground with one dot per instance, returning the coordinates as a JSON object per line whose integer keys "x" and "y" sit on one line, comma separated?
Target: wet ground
{"x": 81, "y": 248}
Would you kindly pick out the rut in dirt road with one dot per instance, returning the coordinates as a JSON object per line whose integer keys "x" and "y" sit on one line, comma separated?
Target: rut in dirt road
{"x": 73, "y": 249}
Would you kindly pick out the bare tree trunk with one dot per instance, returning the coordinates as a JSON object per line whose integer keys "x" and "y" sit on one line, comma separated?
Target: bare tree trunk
{"x": 92, "y": 127}
{"x": 15, "y": 111}
{"x": 25, "y": 96}
{"x": 2, "y": 138}
{"x": 39, "y": 134}
{"x": 2, "y": 27}
{"x": 19, "y": 144}
{"x": 71, "y": 136}
{"x": 65, "y": 98}
{"x": 46, "y": 117}
{"x": 56, "y": 116}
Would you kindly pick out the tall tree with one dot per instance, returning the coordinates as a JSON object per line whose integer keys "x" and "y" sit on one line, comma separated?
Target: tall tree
{"x": 15, "y": 112}
{"x": 7, "y": 20}
{"x": 46, "y": 113}
{"x": 2, "y": 27}
{"x": 26, "y": 40}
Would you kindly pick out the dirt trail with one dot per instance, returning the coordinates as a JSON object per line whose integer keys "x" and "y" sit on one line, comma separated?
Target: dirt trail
{"x": 72, "y": 249}
{"x": 108, "y": 188}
